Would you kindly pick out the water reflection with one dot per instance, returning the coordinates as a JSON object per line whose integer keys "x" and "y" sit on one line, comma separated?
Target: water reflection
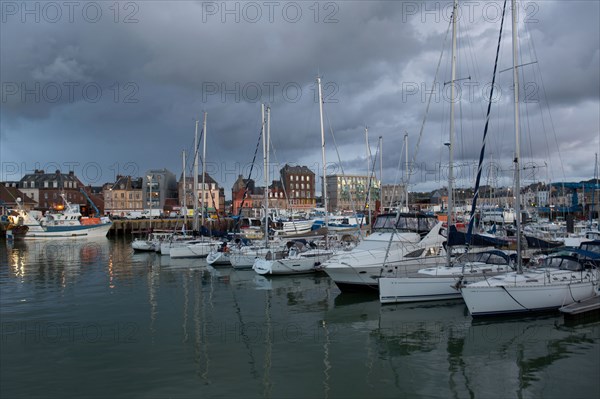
{"x": 231, "y": 333}
{"x": 51, "y": 261}
{"x": 519, "y": 354}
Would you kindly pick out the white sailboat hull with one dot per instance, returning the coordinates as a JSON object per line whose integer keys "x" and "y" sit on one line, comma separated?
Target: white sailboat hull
{"x": 143, "y": 245}
{"x": 440, "y": 283}
{"x": 219, "y": 258}
{"x": 285, "y": 266}
{"x": 494, "y": 299}
{"x": 200, "y": 250}
{"x": 416, "y": 289}
{"x": 350, "y": 277}
{"x": 244, "y": 258}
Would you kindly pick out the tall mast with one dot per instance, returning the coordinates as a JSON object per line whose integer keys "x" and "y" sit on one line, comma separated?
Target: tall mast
{"x": 368, "y": 175}
{"x": 324, "y": 193}
{"x": 406, "y": 169}
{"x": 451, "y": 144}
{"x": 380, "y": 171}
{"x": 517, "y": 137}
{"x": 184, "y": 192}
{"x": 195, "y": 185}
{"x": 592, "y": 205}
{"x": 150, "y": 184}
{"x": 203, "y": 166}
{"x": 265, "y": 173}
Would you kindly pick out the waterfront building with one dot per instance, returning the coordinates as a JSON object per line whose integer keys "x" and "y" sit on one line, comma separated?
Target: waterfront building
{"x": 162, "y": 184}
{"x": 123, "y": 196}
{"x": 8, "y": 199}
{"x": 214, "y": 196}
{"x": 298, "y": 183}
{"x": 237, "y": 195}
{"x": 393, "y": 195}
{"x": 46, "y": 189}
{"x": 277, "y": 197}
{"x": 349, "y": 192}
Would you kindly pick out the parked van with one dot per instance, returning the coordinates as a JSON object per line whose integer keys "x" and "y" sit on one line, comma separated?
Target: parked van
{"x": 156, "y": 213}
{"x": 134, "y": 215}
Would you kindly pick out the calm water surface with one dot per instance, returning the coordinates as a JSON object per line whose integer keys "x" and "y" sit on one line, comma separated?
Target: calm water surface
{"x": 92, "y": 319}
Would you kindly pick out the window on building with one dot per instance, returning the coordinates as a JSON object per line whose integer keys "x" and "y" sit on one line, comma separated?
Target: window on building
{"x": 55, "y": 184}
{"x": 302, "y": 178}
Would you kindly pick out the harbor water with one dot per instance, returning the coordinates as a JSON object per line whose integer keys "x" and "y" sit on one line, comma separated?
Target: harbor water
{"x": 92, "y": 319}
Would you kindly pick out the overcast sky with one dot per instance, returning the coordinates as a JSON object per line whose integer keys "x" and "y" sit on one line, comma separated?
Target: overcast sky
{"x": 104, "y": 88}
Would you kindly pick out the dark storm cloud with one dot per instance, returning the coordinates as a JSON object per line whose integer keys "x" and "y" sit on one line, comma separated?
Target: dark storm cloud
{"x": 130, "y": 84}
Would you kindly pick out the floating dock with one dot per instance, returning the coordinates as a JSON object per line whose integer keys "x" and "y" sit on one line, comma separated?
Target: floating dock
{"x": 581, "y": 309}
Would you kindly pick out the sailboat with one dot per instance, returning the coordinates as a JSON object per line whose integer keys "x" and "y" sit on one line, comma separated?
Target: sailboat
{"x": 296, "y": 261}
{"x": 441, "y": 282}
{"x": 561, "y": 280}
{"x": 197, "y": 248}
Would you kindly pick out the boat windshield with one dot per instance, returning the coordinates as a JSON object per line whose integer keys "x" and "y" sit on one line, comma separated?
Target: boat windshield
{"x": 416, "y": 223}
{"x": 492, "y": 258}
{"x": 386, "y": 221}
{"x": 562, "y": 262}
{"x": 592, "y": 246}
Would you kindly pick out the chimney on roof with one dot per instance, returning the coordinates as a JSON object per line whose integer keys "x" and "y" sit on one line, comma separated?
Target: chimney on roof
{"x": 57, "y": 172}
{"x": 71, "y": 173}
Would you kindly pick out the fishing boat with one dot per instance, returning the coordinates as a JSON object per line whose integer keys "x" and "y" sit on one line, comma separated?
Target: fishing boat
{"x": 65, "y": 223}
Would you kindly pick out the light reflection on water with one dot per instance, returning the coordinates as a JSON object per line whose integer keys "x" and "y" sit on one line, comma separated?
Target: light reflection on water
{"x": 94, "y": 319}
